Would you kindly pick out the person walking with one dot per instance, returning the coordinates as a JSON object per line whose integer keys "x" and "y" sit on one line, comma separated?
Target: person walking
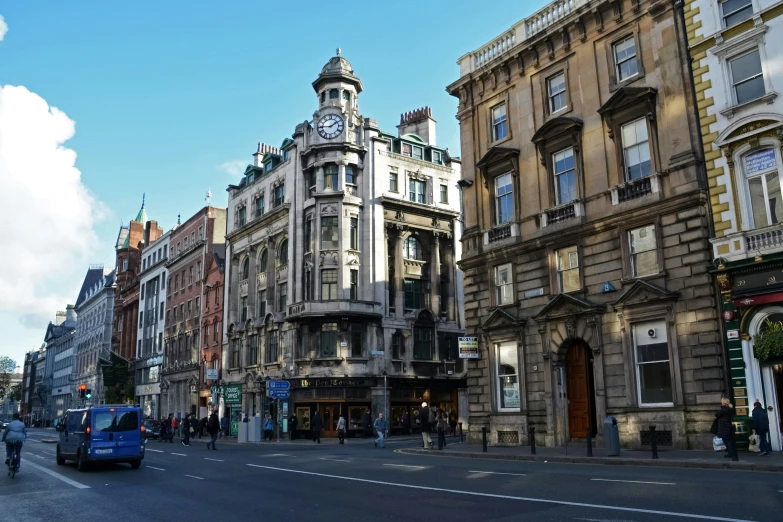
{"x": 292, "y": 427}
{"x": 725, "y": 427}
{"x": 317, "y": 425}
{"x": 186, "y": 430}
{"x": 213, "y": 428}
{"x": 406, "y": 423}
{"x": 367, "y": 424}
{"x": 453, "y": 423}
{"x": 341, "y": 429}
{"x": 202, "y": 425}
{"x": 761, "y": 425}
{"x": 442, "y": 423}
{"x": 223, "y": 426}
{"x": 174, "y": 425}
{"x": 424, "y": 417}
{"x": 381, "y": 428}
{"x": 269, "y": 427}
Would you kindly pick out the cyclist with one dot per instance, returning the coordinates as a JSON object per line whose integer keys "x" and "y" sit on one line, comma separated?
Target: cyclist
{"x": 15, "y": 433}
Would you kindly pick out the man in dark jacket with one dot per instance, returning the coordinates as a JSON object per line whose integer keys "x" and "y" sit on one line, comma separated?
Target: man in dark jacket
{"x": 725, "y": 427}
{"x": 761, "y": 425}
{"x": 292, "y": 427}
{"x": 317, "y": 425}
{"x": 213, "y": 427}
{"x": 186, "y": 424}
{"x": 424, "y": 418}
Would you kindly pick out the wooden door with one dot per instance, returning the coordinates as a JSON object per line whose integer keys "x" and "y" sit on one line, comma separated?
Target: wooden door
{"x": 329, "y": 416}
{"x": 578, "y": 391}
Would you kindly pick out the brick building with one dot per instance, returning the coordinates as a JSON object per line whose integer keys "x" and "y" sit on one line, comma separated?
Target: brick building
{"x": 212, "y": 323}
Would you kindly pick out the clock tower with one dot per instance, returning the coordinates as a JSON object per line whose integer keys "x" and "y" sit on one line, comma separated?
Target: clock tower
{"x": 337, "y": 88}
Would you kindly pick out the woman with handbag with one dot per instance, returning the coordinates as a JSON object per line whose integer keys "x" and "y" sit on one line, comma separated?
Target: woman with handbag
{"x": 341, "y": 429}
{"x": 725, "y": 427}
{"x": 442, "y": 423}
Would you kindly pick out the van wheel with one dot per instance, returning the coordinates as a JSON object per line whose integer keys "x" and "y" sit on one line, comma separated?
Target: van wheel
{"x": 81, "y": 461}
{"x": 135, "y": 464}
{"x": 60, "y": 458}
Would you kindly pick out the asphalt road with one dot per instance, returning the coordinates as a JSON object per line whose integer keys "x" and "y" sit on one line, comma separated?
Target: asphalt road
{"x": 303, "y": 482}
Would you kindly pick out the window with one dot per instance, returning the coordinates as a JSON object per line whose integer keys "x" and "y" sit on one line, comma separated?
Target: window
{"x": 141, "y": 320}
{"x": 644, "y": 254}
{"x": 142, "y": 291}
{"x": 262, "y": 260}
{"x": 308, "y": 234}
{"x": 557, "y": 93}
{"x": 242, "y": 218}
{"x": 206, "y": 336}
{"x": 346, "y": 96}
{"x": 286, "y": 155}
{"x": 182, "y": 312}
{"x": 190, "y": 276}
{"x": 328, "y": 340}
{"x": 216, "y": 333}
{"x": 201, "y": 232}
{"x": 185, "y": 243}
{"x": 198, "y": 305}
{"x": 124, "y": 265}
{"x": 271, "y": 346}
{"x": 444, "y": 194}
{"x": 245, "y": 269}
{"x": 398, "y": 348}
{"x": 198, "y": 271}
{"x": 412, "y": 249}
{"x": 735, "y": 11}
{"x": 163, "y": 282}
{"x": 356, "y": 340}
{"x": 161, "y": 311}
{"x": 568, "y": 269}
{"x": 168, "y": 316}
{"x": 260, "y": 206}
{"x": 334, "y": 94}
{"x": 323, "y": 97}
{"x": 282, "y": 296}
{"x": 329, "y": 233}
{"x": 244, "y": 309}
{"x": 330, "y": 177}
{"x": 414, "y": 294}
{"x": 565, "y": 176}
{"x": 262, "y": 303}
{"x": 407, "y": 149}
{"x": 283, "y": 253}
{"x": 393, "y": 182}
{"x": 355, "y": 233}
{"x": 508, "y": 376}
{"x": 746, "y": 77}
{"x": 636, "y": 150}
{"x": 179, "y": 247}
{"x": 309, "y": 184}
{"x": 422, "y": 343}
{"x": 252, "y": 350}
{"x": 192, "y": 238}
{"x": 504, "y": 286}
{"x": 279, "y": 195}
{"x": 418, "y": 152}
{"x": 354, "y": 285}
{"x": 437, "y": 157}
{"x": 504, "y": 199}
{"x": 653, "y": 374}
{"x": 625, "y": 59}
{"x": 499, "y": 123}
{"x": 144, "y": 264}
{"x": 766, "y": 203}
{"x": 349, "y": 175}
{"x": 165, "y": 250}
{"x": 417, "y": 188}
{"x": 308, "y": 286}
{"x": 190, "y": 309}
{"x": 329, "y": 284}
{"x": 235, "y": 353}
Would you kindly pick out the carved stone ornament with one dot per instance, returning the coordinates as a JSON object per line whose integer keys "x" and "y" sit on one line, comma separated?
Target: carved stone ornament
{"x": 399, "y": 215}
{"x": 724, "y": 282}
{"x": 329, "y": 209}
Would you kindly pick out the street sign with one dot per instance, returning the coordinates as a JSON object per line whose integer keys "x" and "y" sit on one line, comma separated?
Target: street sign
{"x": 279, "y": 394}
{"x": 278, "y": 385}
{"x": 212, "y": 374}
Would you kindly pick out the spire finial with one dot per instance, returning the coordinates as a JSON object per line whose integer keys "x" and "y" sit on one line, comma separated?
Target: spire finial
{"x": 209, "y": 196}
{"x": 143, "y": 197}
{"x": 338, "y": 51}
{"x": 178, "y": 219}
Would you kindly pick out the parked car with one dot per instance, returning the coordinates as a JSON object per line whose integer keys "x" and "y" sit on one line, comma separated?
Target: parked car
{"x": 101, "y": 434}
{"x": 151, "y": 429}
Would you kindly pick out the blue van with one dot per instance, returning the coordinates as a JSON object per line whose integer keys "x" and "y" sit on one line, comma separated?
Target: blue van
{"x": 101, "y": 434}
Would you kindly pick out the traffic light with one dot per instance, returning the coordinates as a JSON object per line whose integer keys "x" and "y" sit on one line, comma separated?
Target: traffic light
{"x": 88, "y": 393}
{"x": 82, "y": 391}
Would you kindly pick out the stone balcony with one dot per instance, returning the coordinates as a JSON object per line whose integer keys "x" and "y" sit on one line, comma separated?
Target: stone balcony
{"x": 636, "y": 189}
{"x": 501, "y": 234}
{"x": 562, "y": 213}
{"x": 749, "y": 243}
{"x": 243, "y": 287}
{"x": 261, "y": 281}
{"x": 339, "y": 307}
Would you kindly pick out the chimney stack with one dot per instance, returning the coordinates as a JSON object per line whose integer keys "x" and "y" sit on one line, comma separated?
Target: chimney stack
{"x": 59, "y": 318}
{"x": 419, "y": 122}
{"x": 263, "y": 149}
{"x": 70, "y": 316}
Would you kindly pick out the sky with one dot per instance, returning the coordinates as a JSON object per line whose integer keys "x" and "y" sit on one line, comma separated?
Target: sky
{"x": 101, "y": 102}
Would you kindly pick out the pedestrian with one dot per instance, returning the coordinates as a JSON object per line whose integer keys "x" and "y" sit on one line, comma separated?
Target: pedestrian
{"x": 213, "y": 427}
{"x": 317, "y": 425}
{"x": 165, "y": 428}
{"x": 174, "y": 425}
{"x": 453, "y": 423}
{"x": 367, "y": 424}
{"x": 424, "y": 417}
{"x": 224, "y": 424}
{"x": 406, "y": 423}
{"x": 381, "y": 428}
{"x": 441, "y": 423}
{"x": 725, "y": 426}
{"x": 202, "y": 424}
{"x": 268, "y": 427}
{"x": 761, "y": 425}
{"x": 341, "y": 429}
{"x": 186, "y": 430}
{"x": 292, "y": 427}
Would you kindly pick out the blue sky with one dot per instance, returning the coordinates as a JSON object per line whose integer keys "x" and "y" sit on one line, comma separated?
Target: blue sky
{"x": 166, "y": 95}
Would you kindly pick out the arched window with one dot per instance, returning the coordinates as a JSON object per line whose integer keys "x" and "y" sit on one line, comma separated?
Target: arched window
{"x": 283, "y": 256}
{"x": 764, "y": 192}
{"x": 412, "y": 249}
{"x": 262, "y": 262}
{"x": 245, "y": 268}
{"x": 334, "y": 94}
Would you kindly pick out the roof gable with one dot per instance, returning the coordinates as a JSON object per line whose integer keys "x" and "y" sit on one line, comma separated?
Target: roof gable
{"x": 565, "y": 305}
{"x": 643, "y": 292}
{"x": 501, "y": 318}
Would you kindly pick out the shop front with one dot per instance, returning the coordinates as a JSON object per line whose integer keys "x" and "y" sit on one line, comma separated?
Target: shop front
{"x": 148, "y": 399}
{"x": 232, "y": 406}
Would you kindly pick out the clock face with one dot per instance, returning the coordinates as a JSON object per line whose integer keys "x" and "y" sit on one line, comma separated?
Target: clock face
{"x": 330, "y": 126}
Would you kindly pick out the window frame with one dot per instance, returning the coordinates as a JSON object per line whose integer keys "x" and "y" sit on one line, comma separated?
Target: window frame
{"x": 413, "y": 195}
{"x": 496, "y": 294}
{"x": 665, "y": 327}
{"x": 259, "y": 206}
{"x": 350, "y": 175}
{"x": 279, "y": 195}
{"x": 618, "y": 63}
{"x": 330, "y": 334}
{"x": 734, "y": 98}
{"x": 333, "y": 173}
{"x": 354, "y": 233}
{"x": 497, "y": 376}
{"x": 722, "y": 14}
{"x": 625, "y": 246}
{"x": 444, "y": 194}
{"x": 550, "y": 96}
{"x": 741, "y": 177}
{"x": 261, "y": 303}
{"x": 437, "y": 154}
{"x": 494, "y": 135}
{"x": 282, "y": 297}
{"x": 251, "y": 354}
{"x": 394, "y": 180}
{"x": 356, "y": 332}
{"x": 329, "y": 292}
{"x": 282, "y": 253}
{"x": 557, "y": 286}
{"x": 496, "y": 198}
{"x": 611, "y": 60}
{"x": 555, "y": 175}
{"x": 625, "y": 147}
{"x": 353, "y": 285}
{"x": 332, "y": 244}
{"x": 419, "y": 254}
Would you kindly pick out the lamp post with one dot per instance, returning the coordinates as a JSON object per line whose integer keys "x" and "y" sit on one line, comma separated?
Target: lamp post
{"x": 385, "y": 398}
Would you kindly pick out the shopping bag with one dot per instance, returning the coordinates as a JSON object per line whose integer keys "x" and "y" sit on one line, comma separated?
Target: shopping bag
{"x": 717, "y": 444}
{"x": 753, "y": 443}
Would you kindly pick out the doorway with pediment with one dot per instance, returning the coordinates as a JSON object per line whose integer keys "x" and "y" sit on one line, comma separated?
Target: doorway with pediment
{"x": 579, "y": 389}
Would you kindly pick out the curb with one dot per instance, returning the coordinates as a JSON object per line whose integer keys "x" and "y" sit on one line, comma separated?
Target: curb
{"x": 607, "y": 461}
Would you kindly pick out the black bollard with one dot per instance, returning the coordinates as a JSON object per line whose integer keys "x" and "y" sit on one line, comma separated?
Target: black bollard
{"x": 460, "y": 433}
{"x": 589, "y": 441}
{"x": 653, "y": 443}
{"x": 531, "y": 434}
{"x": 484, "y": 438}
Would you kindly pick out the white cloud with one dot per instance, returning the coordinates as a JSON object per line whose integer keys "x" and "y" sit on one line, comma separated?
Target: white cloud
{"x": 233, "y": 168}
{"x": 49, "y": 214}
{"x": 3, "y": 28}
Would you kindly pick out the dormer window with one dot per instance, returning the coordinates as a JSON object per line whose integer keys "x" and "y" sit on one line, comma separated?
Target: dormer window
{"x": 418, "y": 152}
{"x": 268, "y": 167}
{"x": 334, "y": 94}
{"x": 437, "y": 157}
{"x": 407, "y": 149}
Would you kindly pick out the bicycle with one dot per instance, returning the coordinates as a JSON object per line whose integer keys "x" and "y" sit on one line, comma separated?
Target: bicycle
{"x": 13, "y": 462}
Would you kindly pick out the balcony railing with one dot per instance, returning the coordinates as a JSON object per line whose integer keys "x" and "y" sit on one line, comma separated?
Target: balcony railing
{"x": 500, "y": 233}
{"x": 746, "y": 244}
{"x": 494, "y": 49}
{"x": 561, "y": 213}
{"x": 551, "y": 15}
{"x": 635, "y": 189}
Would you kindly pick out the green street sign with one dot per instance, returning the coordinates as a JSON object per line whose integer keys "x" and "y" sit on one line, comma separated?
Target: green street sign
{"x": 232, "y": 394}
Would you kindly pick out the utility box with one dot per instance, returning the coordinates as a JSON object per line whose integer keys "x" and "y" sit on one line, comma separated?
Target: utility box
{"x": 612, "y": 437}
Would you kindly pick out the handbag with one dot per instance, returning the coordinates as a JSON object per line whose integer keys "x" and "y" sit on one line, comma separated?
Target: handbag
{"x": 192, "y": 430}
{"x": 714, "y": 427}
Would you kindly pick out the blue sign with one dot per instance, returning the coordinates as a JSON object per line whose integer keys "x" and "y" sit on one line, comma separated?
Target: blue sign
{"x": 607, "y": 287}
{"x": 278, "y": 394}
{"x": 759, "y": 161}
{"x": 278, "y": 385}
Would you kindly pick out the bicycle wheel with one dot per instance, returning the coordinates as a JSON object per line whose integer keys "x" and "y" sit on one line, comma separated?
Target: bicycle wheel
{"x": 13, "y": 467}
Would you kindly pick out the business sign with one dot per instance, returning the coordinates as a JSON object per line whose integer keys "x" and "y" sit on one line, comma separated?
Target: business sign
{"x": 534, "y": 293}
{"x": 278, "y": 385}
{"x": 468, "y": 347}
{"x": 732, "y": 334}
{"x": 608, "y": 287}
{"x": 232, "y": 394}
{"x": 759, "y": 161}
{"x": 278, "y": 394}
{"x": 212, "y": 374}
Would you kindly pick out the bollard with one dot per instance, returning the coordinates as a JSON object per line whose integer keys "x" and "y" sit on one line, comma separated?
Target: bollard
{"x": 734, "y": 456}
{"x": 653, "y": 443}
{"x": 589, "y": 441}
{"x": 460, "y": 433}
{"x": 531, "y": 434}
{"x": 484, "y": 438}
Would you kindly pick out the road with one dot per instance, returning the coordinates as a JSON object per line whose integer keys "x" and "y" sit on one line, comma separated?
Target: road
{"x": 358, "y": 482}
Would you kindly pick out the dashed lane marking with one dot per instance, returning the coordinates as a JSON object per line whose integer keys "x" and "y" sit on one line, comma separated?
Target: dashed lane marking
{"x": 498, "y": 473}
{"x": 179, "y": 454}
{"x": 153, "y": 467}
{"x": 329, "y": 459}
{"x": 213, "y": 460}
{"x": 405, "y": 466}
{"x": 195, "y": 477}
{"x": 156, "y": 451}
{"x": 634, "y": 481}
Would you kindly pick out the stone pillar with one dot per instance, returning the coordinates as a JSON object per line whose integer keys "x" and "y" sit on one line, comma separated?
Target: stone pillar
{"x": 319, "y": 179}
{"x": 451, "y": 266}
{"x": 435, "y": 303}
{"x": 252, "y": 283}
{"x": 462, "y": 409}
{"x": 377, "y": 394}
{"x": 399, "y": 269}
{"x": 341, "y": 175}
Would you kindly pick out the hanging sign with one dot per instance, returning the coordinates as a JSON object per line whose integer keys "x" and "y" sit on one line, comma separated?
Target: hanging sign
{"x": 468, "y": 347}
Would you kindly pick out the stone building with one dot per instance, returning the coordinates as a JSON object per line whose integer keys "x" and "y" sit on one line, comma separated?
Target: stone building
{"x": 341, "y": 277}
{"x": 190, "y": 246}
{"x": 586, "y": 247}
{"x": 59, "y": 349}
{"x": 732, "y": 47}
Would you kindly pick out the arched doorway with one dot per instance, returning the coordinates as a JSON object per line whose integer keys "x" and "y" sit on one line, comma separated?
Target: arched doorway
{"x": 580, "y": 389}
{"x": 765, "y": 379}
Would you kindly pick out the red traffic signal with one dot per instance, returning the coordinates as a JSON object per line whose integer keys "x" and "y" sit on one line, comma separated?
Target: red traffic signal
{"x": 82, "y": 390}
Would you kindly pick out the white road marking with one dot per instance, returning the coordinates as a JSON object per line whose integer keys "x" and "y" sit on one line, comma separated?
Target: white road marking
{"x": 405, "y": 466}
{"x": 276, "y": 455}
{"x": 507, "y": 497}
{"x": 56, "y": 475}
{"x": 195, "y": 477}
{"x": 334, "y": 460}
{"x": 180, "y": 454}
{"x": 214, "y": 460}
{"x": 636, "y": 482}
{"x": 156, "y": 451}
{"x": 153, "y": 467}
{"x": 498, "y": 473}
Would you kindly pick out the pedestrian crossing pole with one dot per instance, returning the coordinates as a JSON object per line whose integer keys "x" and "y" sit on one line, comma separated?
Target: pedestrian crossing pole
{"x": 278, "y": 420}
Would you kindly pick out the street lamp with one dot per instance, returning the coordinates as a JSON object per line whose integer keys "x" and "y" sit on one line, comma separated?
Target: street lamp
{"x": 385, "y": 398}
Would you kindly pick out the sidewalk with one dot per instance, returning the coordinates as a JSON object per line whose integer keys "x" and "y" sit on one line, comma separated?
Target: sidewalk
{"x": 306, "y": 442}
{"x": 578, "y": 454}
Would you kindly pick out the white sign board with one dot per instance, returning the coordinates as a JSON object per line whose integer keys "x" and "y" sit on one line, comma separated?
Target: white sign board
{"x": 468, "y": 347}
{"x": 212, "y": 374}
{"x": 760, "y": 161}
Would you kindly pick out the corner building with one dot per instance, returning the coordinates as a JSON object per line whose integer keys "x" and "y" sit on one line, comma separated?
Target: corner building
{"x": 586, "y": 247}
{"x": 341, "y": 267}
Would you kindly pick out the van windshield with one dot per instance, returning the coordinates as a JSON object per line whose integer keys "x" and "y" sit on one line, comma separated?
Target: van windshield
{"x": 116, "y": 421}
